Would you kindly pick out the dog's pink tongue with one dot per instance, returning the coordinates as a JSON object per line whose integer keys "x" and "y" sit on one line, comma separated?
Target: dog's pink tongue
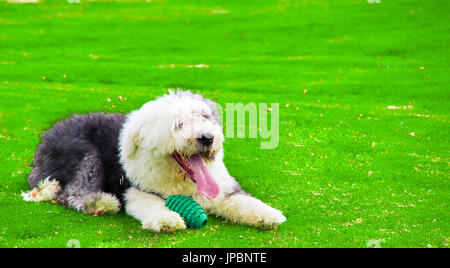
{"x": 206, "y": 185}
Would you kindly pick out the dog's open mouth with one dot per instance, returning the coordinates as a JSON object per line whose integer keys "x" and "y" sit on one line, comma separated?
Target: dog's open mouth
{"x": 195, "y": 167}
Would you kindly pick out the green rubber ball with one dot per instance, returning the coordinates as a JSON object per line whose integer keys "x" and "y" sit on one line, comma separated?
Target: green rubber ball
{"x": 193, "y": 214}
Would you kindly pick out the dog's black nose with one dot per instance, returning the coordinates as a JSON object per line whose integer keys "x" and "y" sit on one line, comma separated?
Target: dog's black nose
{"x": 206, "y": 139}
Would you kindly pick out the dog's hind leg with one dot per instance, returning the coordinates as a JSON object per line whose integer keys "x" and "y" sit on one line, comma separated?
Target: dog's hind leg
{"x": 85, "y": 192}
{"x": 43, "y": 190}
{"x": 35, "y": 177}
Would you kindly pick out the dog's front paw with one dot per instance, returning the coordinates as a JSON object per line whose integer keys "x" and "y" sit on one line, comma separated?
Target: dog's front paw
{"x": 168, "y": 222}
{"x": 269, "y": 218}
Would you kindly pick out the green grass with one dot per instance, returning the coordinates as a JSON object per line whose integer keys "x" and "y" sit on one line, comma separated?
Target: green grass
{"x": 347, "y": 169}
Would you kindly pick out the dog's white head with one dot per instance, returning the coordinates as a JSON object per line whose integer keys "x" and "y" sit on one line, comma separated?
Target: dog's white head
{"x": 181, "y": 127}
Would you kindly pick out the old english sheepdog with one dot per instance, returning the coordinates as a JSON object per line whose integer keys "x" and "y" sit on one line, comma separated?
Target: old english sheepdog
{"x": 96, "y": 163}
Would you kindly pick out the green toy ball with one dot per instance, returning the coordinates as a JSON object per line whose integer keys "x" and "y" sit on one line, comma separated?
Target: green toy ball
{"x": 193, "y": 214}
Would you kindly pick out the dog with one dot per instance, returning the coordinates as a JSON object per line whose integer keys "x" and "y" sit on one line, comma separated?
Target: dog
{"x": 97, "y": 163}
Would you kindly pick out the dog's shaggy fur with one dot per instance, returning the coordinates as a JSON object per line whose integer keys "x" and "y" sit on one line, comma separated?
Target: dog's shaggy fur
{"x": 173, "y": 145}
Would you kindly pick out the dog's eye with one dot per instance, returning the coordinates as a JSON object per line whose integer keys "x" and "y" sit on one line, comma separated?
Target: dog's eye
{"x": 179, "y": 125}
{"x": 206, "y": 116}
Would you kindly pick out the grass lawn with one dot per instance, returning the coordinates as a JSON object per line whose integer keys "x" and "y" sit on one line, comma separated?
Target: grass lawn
{"x": 364, "y": 111}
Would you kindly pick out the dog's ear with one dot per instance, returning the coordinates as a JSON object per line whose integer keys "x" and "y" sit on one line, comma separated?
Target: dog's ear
{"x": 130, "y": 139}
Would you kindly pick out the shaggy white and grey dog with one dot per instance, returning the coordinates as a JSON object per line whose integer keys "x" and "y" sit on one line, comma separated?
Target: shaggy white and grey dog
{"x": 173, "y": 145}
